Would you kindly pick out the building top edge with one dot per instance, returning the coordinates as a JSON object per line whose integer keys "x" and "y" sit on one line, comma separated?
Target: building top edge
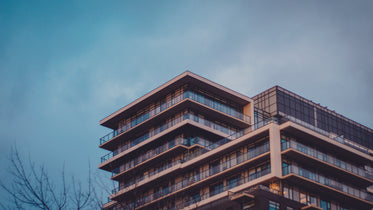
{"x": 181, "y": 79}
{"x": 317, "y": 105}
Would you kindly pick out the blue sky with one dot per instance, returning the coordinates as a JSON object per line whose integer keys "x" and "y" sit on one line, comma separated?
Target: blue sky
{"x": 65, "y": 65}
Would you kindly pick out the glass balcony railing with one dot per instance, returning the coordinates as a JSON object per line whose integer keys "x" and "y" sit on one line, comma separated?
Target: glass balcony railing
{"x": 286, "y": 144}
{"x": 161, "y": 149}
{"x": 200, "y": 197}
{"x": 173, "y": 122}
{"x": 202, "y": 151}
{"x": 204, "y": 174}
{"x": 290, "y": 168}
{"x": 339, "y": 139}
{"x": 159, "y": 108}
{"x": 190, "y": 156}
{"x": 196, "y": 178}
{"x": 216, "y": 105}
{"x": 191, "y": 200}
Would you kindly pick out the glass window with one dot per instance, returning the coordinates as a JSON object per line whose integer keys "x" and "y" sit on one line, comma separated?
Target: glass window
{"x": 252, "y": 174}
{"x": 313, "y": 200}
{"x": 285, "y": 192}
{"x": 216, "y": 189}
{"x": 232, "y": 182}
{"x": 195, "y": 198}
{"x": 214, "y": 168}
{"x": 274, "y": 206}
{"x": 325, "y": 205}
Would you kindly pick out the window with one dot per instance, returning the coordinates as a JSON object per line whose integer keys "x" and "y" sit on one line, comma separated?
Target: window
{"x": 274, "y": 206}
{"x": 285, "y": 168}
{"x": 214, "y": 167}
{"x": 216, "y": 189}
{"x": 252, "y": 174}
{"x": 195, "y": 198}
{"x": 325, "y": 205}
{"x": 312, "y": 200}
{"x": 287, "y": 192}
{"x": 233, "y": 182}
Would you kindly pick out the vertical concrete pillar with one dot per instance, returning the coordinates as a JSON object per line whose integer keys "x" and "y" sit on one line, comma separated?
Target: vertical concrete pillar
{"x": 275, "y": 148}
{"x": 248, "y": 110}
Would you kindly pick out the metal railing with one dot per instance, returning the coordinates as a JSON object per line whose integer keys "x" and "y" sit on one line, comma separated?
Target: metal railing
{"x": 171, "y": 102}
{"x": 197, "y": 197}
{"x": 191, "y": 156}
{"x": 287, "y": 144}
{"x": 173, "y": 122}
{"x": 161, "y": 149}
{"x": 339, "y": 139}
{"x": 204, "y": 174}
{"x": 290, "y": 168}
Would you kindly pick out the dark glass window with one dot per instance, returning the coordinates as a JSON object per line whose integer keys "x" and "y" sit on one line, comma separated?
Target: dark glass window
{"x": 233, "y": 182}
{"x": 216, "y": 189}
{"x": 274, "y": 206}
{"x": 325, "y": 205}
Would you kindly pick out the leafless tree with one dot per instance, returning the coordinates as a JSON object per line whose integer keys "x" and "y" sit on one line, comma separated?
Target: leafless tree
{"x": 30, "y": 186}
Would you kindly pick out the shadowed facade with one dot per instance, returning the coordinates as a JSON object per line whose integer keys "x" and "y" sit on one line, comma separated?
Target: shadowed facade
{"x": 194, "y": 144}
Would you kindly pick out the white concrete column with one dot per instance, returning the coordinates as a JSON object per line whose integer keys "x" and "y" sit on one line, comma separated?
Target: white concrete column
{"x": 275, "y": 148}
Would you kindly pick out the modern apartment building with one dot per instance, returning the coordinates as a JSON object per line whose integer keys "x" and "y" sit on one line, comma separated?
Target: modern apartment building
{"x": 194, "y": 144}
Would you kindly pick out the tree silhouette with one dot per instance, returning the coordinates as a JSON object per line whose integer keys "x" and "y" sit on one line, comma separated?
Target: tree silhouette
{"x": 30, "y": 186}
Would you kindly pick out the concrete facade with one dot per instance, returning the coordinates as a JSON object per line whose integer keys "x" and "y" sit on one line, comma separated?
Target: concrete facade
{"x": 194, "y": 144}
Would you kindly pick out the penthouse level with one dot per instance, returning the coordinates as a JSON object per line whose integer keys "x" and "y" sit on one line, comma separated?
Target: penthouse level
{"x": 186, "y": 90}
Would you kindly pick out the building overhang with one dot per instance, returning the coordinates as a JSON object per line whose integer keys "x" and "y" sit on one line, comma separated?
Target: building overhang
{"x": 243, "y": 197}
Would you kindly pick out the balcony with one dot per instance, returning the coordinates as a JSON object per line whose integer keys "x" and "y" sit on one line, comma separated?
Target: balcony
{"x": 144, "y": 160}
{"x": 316, "y": 154}
{"x": 257, "y": 191}
{"x": 145, "y": 201}
{"x": 206, "y": 174}
{"x": 177, "y": 163}
{"x": 339, "y": 139}
{"x": 194, "y": 96}
{"x": 188, "y": 204}
{"x": 173, "y": 122}
{"x": 322, "y": 180}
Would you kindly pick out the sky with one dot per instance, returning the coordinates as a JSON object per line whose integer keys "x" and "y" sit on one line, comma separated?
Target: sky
{"x": 65, "y": 65}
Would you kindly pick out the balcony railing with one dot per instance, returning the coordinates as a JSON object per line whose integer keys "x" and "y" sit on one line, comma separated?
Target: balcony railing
{"x": 178, "y": 161}
{"x": 216, "y": 105}
{"x": 161, "y": 149}
{"x": 339, "y": 139}
{"x": 197, "y": 197}
{"x": 202, "y": 175}
{"x": 200, "y": 197}
{"x": 286, "y": 144}
{"x": 193, "y": 155}
{"x": 173, "y": 122}
{"x": 288, "y": 169}
{"x": 213, "y": 146}
{"x": 156, "y": 110}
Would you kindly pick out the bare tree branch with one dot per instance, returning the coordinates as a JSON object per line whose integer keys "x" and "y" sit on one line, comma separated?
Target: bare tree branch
{"x": 30, "y": 186}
